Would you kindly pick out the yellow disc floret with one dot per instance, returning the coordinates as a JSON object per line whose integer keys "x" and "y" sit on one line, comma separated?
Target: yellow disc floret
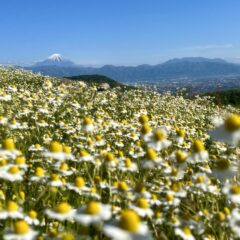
{"x": 12, "y": 206}
{"x": 151, "y": 154}
{"x": 198, "y": 146}
{"x": 180, "y": 157}
{"x": 87, "y": 121}
{"x": 143, "y": 119}
{"x": 128, "y": 162}
{"x": 109, "y": 157}
{"x": 13, "y": 170}
{"x": 122, "y": 186}
{"x": 235, "y": 189}
{"x": 55, "y": 147}
{"x": 32, "y": 214}
{"x": 63, "y": 208}
{"x": 20, "y": 160}
{"x": 21, "y": 227}
{"x": 142, "y": 203}
{"x": 232, "y": 123}
{"x": 8, "y": 144}
{"x": 39, "y": 172}
{"x": 129, "y": 221}
{"x": 159, "y": 135}
{"x": 79, "y": 182}
{"x": 145, "y": 129}
{"x": 187, "y": 231}
{"x": 93, "y": 208}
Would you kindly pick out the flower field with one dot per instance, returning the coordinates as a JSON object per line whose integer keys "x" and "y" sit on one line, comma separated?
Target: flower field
{"x": 76, "y": 163}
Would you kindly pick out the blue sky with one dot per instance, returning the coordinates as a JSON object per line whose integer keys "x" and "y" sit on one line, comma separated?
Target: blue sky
{"x": 120, "y": 32}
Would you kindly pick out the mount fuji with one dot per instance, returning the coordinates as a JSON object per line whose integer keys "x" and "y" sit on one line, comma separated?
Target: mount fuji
{"x": 55, "y": 59}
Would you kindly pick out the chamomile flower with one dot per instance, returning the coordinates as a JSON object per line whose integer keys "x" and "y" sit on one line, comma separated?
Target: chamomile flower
{"x": 62, "y": 212}
{"x": 87, "y": 125}
{"x": 151, "y": 159}
{"x": 55, "y": 151}
{"x": 159, "y": 140}
{"x": 12, "y": 210}
{"x": 229, "y": 131}
{"x": 31, "y": 218}
{"x": 199, "y": 154}
{"x": 12, "y": 173}
{"x": 78, "y": 186}
{"x": 184, "y": 233}
{"x": 128, "y": 166}
{"x": 129, "y": 227}
{"x": 93, "y": 213}
{"x": 8, "y": 148}
{"x": 142, "y": 208}
{"x": 232, "y": 192}
{"x": 20, "y": 231}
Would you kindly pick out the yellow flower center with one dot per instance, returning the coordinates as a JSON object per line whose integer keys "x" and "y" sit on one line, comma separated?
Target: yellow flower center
{"x": 68, "y": 236}
{"x": 55, "y": 147}
{"x": 200, "y": 179}
{"x": 83, "y": 153}
{"x": 222, "y": 164}
{"x": 122, "y": 186}
{"x": 142, "y": 203}
{"x": 221, "y": 216}
{"x": 39, "y": 172}
{"x": 143, "y": 119}
{"x": 227, "y": 210}
{"x": 154, "y": 197}
{"x": 175, "y": 187}
{"x": 13, "y": 170}
{"x": 87, "y": 121}
{"x": 67, "y": 149}
{"x": 98, "y": 138}
{"x": 157, "y": 214}
{"x": 145, "y": 129}
{"x": 232, "y": 123}
{"x": 180, "y": 133}
{"x": 32, "y": 214}
{"x": 140, "y": 188}
{"x": 20, "y": 160}
{"x": 128, "y": 162}
{"x": 169, "y": 197}
{"x": 129, "y": 221}
{"x": 151, "y": 154}
{"x": 187, "y": 231}
{"x": 159, "y": 135}
{"x": 21, "y": 227}
{"x": 54, "y": 177}
{"x": 97, "y": 180}
{"x": 174, "y": 172}
{"x": 109, "y": 157}
{"x": 63, "y": 208}
{"x": 93, "y": 208}
{"x": 8, "y": 144}
{"x": 235, "y": 189}
{"x": 180, "y": 157}
{"x": 37, "y": 146}
{"x": 79, "y": 182}
{"x": 12, "y": 206}
{"x": 198, "y": 146}
{"x": 64, "y": 167}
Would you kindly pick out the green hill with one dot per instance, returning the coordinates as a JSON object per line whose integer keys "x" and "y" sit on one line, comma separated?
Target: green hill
{"x": 231, "y": 97}
{"x": 96, "y": 79}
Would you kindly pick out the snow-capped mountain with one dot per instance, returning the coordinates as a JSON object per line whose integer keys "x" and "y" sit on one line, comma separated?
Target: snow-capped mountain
{"x": 55, "y": 59}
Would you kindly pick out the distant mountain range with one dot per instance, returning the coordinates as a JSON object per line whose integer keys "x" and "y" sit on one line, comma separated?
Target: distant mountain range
{"x": 190, "y": 68}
